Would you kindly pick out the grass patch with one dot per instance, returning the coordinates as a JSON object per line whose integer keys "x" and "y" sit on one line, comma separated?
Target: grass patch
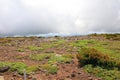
{"x": 40, "y": 57}
{"x": 102, "y": 73}
{"x": 19, "y": 67}
{"x": 52, "y": 69}
{"x": 35, "y": 48}
{"x": 31, "y": 69}
{"x": 53, "y": 44}
{"x": 14, "y": 66}
{"x": 20, "y": 50}
{"x": 99, "y": 64}
{"x": 52, "y": 57}
{"x": 60, "y": 59}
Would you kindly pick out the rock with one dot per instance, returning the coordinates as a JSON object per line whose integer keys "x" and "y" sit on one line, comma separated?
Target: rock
{"x": 4, "y": 69}
{"x": 68, "y": 76}
{"x": 90, "y": 78}
{"x": 79, "y": 73}
{"x": 29, "y": 77}
{"x": 1, "y": 77}
{"x": 14, "y": 74}
{"x": 72, "y": 75}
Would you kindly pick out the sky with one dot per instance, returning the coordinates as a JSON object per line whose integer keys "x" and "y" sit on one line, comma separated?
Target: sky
{"x": 32, "y": 17}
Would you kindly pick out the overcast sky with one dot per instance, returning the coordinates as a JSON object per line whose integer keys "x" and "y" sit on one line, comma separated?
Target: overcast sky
{"x": 21, "y": 17}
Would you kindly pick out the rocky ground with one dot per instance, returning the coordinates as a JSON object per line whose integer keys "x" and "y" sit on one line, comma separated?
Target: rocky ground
{"x": 16, "y": 50}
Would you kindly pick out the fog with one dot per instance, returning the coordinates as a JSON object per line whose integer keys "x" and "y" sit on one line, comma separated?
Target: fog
{"x": 32, "y": 17}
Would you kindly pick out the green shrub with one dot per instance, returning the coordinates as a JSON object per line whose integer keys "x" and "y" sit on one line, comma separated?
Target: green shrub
{"x": 96, "y": 58}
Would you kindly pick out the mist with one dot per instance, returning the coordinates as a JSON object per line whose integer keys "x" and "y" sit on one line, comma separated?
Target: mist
{"x": 32, "y": 17}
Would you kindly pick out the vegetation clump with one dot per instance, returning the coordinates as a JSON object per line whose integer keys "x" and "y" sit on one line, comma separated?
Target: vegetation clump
{"x": 34, "y": 48}
{"x": 99, "y": 64}
{"x": 96, "y": 58}
{"x": 19, "y": 67}
{"x": 103, "y": 73}
{"x": 52, "y": 69}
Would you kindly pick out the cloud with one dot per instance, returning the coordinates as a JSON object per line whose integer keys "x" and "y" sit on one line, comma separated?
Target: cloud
{"x": 24, "y": 17}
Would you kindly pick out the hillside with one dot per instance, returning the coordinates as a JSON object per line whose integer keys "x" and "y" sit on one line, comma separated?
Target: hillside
{"x": 91, "y": 57}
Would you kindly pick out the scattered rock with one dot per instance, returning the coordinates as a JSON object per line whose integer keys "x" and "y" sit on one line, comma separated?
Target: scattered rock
{"x": 4, "y": 69}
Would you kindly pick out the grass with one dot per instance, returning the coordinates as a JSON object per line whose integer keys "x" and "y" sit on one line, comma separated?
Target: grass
{"x": 14, "y": 66}
{"x": 52, "y": 58}
{"x": 53, "y": 44}
{"x": 108, "y": 47}
{"x": 19, "y": 67}
{"x": 52, "y": 69}
{"x": 104, "y": 74}
{"x": 20, "y": 50}
{"x": 35, "y": 48}
{"x": 99, "y": 64}
{"x": 32, "y": 69}
{"x": 60, "y": 59}
{"x": 41, "y": 57}
{"x": 100, "y": 57}
{"x": 97, "y": 58}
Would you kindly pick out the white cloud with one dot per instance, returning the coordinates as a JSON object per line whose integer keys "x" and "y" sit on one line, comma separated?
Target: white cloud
{"x": 62, "y": 16}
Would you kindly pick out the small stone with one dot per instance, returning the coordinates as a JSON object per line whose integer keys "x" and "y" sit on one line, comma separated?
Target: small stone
{"x": 79, "y": 73}
{"x": 1, "y": 77}
{"x": 15, "y": 74}
{"x": 68, "y": 76}
{"x": 90, "y": 78}
{"x": 72, "y": 75}
{"x": 4, "y": 69}
{"x": 29, "y": 77}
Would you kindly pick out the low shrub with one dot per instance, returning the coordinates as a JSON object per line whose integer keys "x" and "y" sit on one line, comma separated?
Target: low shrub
{"x": 96, "y": 58}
